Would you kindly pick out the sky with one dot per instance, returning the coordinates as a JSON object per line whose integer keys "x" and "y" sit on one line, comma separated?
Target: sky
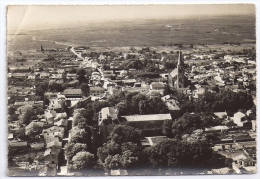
{"x": 43, "y": 17}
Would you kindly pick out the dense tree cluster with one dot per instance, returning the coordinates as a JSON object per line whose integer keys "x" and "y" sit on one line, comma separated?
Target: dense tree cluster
{"x": 218, "y": 102}
{"x": 188, "y": 123}
{"x": 177, "y": 153}
{"x": 83, "y": 160}
{"x": 123, "y": 150}
{"x": 27, "y": 114}
{"x": 77, "y": 149}
{"x": 137, "y": 103}
{"x": 56, "y": 87}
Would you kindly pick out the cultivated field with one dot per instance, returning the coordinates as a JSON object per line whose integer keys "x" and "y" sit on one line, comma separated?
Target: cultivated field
{"x": 160, "y": 34}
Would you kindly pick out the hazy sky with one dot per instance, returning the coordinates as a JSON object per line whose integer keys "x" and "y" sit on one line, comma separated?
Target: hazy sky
{"x": 43, "y": 17}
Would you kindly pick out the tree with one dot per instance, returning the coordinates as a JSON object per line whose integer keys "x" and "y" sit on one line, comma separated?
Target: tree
{"x": 26, "y": 114}
{"x": 71, "y": 149}
{"x": 85, "y": 89}
{"x": 81, "y": 72}
{"x": 20, "y": 134}
{"x": 83, "y": 115}
{"x": 167, "y": 128}
{"x": 81, "y": 76}
{"x": 56, "y": 87}
{"x": 46, "y": 102}
{"x": 34, "y": 130}
{"x": 123, "y": 133}
{"x": 171, "y": 153}
{"x": 41, "y": 88}
{"x": 73, "y": 70}
{"x": 81, "y": 134}
{"x": 186, "y": 124}
{"x": 78, "y": 135}
{"x": 112, "y": 162}
{"x": 83, "y": 160}
{"x": 123, "y": 109}
{"x": 11, "y": 110}
{"x": 113, "y": 155}
{"x": 128, "y": 159}
{"x": 122, "y": 150}
{"x": 153, "y": 105}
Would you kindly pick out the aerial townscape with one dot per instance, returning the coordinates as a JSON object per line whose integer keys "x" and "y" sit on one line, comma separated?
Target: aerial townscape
{"x": 171, "y": 108}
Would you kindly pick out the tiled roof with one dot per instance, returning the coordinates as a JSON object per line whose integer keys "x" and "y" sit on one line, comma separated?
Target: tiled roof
{"x": 17, "y": 144}
{"x": 54, "y": 144}
{"x": 157, "y": 84}
{"x": 72, "y": 91}
{"x": 62, "y": 122}
{"x": 96, "y": 89}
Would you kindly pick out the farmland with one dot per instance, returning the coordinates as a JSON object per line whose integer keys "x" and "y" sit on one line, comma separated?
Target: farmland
{"x": 217, "y": 30}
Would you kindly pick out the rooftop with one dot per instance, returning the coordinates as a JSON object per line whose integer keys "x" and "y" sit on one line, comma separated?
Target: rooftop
{"x": 151, "y": 117}
{"x": 92, "y": 88}
{"x": 72, "y": 91}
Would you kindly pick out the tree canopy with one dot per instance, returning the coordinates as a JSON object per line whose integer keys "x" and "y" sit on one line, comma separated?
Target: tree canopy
{"x": 26, "y": 114}
{"x": 123, "y": 150}
{"x": 83, "y": 160}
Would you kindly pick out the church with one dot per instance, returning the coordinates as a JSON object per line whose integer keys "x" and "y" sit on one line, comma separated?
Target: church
{"x": 177, "y": 78}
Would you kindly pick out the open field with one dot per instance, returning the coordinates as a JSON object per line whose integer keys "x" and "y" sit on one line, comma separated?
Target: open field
{"x": 213, "y": 30}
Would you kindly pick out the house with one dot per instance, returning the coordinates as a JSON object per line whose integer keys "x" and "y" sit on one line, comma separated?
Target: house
{"x": 18, "y": 75}
{"x": 238, "y": 119}
{"x": 56, "y": 76}
{"x": 60, "y": 70}
{"x": 220, "y": 115}
{"x": 242, "y": 162}
{"x": 22, "y": 145}
{"x": 108, "y": 116}
{"x": 217, "y": 128}
{"x": 61, "y": 123}
{"x": 44, "y": 75}
{"x": 138, "y": 87}
{"x": 37, "y": 145}
{"x": 51, "y": 132}
{"x": 54, "y": 144}
{"x": 198, "y": 92}
{"x": 129, "y": 82}
{"x": 96, "y": 91}
{"x": 49, "y": 116}
{"x": 22, "y": 103}
{"x": 157, "y": 86}
{"x": 19, "y": 69}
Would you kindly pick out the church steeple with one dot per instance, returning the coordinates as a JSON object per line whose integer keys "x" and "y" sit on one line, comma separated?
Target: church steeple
{"x": 180, "y": 59}
{"x": 180, "y": 82}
